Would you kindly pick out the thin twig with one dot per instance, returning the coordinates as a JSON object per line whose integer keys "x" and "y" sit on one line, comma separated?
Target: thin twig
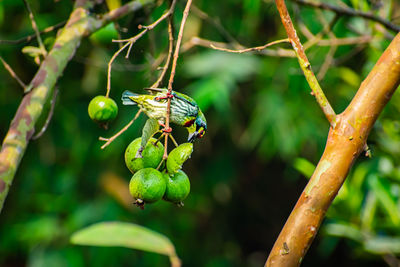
{"x": 33, "y": 36}
{"x": 112, "y": 138}
{"x": 305, "y": 64}
{"x": 35, "y": 28}
{"x": 109, "y": 68}
{"x": 173, "y": 140}
{"x": 251, "y": 49}
{"x": 170, "y": 51}
{"x": 197, "y": 41}
{"x": 49, "y": 116}
{"x": 132, "y": 40}
{"x": 351, "y": 12}
{"x": 332, "y": 50}
{"x": 12, "y": 73}
{"x": 216, "y": 22}
{"x": 327, "y": 28}
{"x": 178, "y": 44}
{"x": 172, "y": 75}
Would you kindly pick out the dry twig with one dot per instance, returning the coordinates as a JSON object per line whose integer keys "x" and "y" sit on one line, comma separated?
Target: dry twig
{"x": 35, "y": 28}
{"x": 12, "y": 73}
{"x": 346, "y": 11}
{"x": 112, "y": 138}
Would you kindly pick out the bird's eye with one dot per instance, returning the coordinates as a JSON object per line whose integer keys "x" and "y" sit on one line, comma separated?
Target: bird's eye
{"x": 201, "y": 133}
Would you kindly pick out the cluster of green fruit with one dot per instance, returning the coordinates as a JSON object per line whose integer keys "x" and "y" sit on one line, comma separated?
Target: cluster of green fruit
{"x": 153, "y": 178}
{"x": 148, "y": 184}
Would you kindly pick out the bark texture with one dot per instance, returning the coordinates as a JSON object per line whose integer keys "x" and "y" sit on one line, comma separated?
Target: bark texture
{"x": 345, "y": 143}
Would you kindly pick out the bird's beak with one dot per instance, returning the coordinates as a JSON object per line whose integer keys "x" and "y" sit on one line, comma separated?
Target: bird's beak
{"x": 192, "y": 137}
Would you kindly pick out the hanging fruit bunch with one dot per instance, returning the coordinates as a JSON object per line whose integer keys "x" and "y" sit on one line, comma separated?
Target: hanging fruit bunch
{"x": 156, "y": 175}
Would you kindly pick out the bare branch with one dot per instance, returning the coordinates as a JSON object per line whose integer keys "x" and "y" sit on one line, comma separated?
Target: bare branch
{"x": 305, "y": 64}
{"x": 252, "y": 49}
{"x": 33, "y": 36}
{"x": 197, "y": 41}
{"x": 35, "y": 28}
{"x": 346, "y": 11}
{"x": 345, "y": 143}
{"x": 170, "y": 51}
{"x": 112, "y": 138}
{"x": 12, "y": 73}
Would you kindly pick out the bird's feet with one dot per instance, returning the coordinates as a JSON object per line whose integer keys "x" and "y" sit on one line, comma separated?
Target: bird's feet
{"x": 165, "y": 129}
{"x": 168, "y": 95}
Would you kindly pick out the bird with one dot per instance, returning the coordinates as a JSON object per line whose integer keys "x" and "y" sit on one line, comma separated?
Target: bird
{"x": 184, "y": 110}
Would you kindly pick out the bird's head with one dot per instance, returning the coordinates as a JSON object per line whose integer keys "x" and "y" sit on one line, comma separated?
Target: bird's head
{"x": 198, "y": 128}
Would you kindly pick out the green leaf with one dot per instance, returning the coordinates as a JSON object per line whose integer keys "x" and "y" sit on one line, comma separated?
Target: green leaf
{"x": 149, "y": 129}
{"x": 120, "y": 234}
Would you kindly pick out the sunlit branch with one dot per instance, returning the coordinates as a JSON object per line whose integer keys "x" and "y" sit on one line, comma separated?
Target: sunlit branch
{"x": 305, "y": 64}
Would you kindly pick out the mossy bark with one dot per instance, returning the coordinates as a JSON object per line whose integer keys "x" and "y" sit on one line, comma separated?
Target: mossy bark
{"x": 80, "y": 24}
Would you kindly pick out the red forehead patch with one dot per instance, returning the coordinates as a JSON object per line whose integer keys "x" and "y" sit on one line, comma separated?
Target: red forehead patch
{"x": 188, "y": 123}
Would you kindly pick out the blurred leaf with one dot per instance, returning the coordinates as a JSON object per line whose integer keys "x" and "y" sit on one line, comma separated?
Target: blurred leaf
{"x": 385, "y": 198}
{"x": 238, "y": 66}
{"x": 383, "y": 245}
{"x": 113, "y": 4}
{"x": 119, "y": 234}
{"x": 368, "y": 212}
{"x": 32, "y": 51}
{"x": 349, "y": 76}
{"x": 344, "y": 230}
{"x": 304, "y": 167}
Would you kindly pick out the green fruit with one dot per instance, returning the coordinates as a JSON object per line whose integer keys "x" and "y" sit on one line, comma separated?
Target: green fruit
{"x": 151, "y": 155}
{"x": 178, "y": 156}
{"x": 178, "y": 187}
{"x": 102, "y": 109}
{"x": 147, "y": 185}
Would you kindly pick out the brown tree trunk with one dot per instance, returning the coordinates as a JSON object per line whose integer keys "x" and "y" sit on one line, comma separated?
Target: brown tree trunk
{"x": 345, "y": 143}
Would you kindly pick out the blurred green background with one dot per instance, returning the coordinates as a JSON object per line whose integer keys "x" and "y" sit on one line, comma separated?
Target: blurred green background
{"x": 265, "y": 134}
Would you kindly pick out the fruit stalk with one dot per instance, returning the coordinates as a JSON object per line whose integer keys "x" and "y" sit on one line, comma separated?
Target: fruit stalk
{"x": 80, "y": 24}
{"x": 171, "y": 77}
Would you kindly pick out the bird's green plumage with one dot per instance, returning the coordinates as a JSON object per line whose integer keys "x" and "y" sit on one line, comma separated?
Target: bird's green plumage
{"x": 184, "y": 110}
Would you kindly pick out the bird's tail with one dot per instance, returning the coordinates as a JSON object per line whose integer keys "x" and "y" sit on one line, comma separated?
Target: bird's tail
{"x": 127, "y": 98}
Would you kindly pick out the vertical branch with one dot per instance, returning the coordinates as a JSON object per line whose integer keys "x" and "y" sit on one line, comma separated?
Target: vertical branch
{"x": 345, "y": 143}
{"x": 170, "y": 51}
{"x": 173, "y": 69}
{"x": 305, "y": 64}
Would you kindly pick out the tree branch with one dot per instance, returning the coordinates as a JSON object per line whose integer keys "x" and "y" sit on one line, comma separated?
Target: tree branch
{"x": 345, "y": 11}
{"x": 305, "y": 64}
{"x": 345, "y": 142}
{"x": 79, "y": 25}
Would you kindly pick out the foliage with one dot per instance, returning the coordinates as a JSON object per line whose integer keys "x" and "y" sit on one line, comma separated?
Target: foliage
{"x": 264, "y": 134}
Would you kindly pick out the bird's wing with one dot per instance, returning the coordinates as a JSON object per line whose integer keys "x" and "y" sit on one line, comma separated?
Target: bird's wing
{"x": 186, "y": 99}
